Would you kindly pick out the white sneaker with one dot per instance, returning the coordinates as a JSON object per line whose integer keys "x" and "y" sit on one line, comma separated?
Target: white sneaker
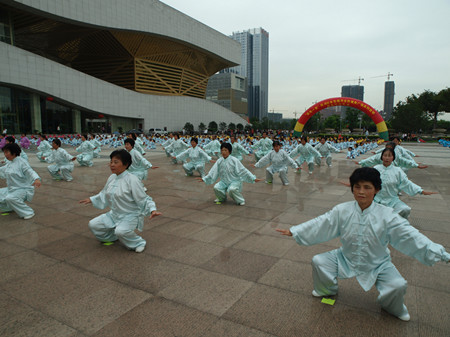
{"x": 28, "y": 217}
{"x": 315, "y": 294}
{"x": 241, "y": 204}
{"x": 405, "y": 317}
{"x": 139, "y": 249}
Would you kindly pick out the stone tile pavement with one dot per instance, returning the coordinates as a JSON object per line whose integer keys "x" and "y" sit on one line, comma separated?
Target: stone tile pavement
{"x": 208, "y": 270}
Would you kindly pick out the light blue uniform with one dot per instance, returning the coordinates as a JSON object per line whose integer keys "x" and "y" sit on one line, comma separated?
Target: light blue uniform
{"x": 262, "y": 147}
{"x": 279, "y": 163}
{"x": 307, "y": 153}
{"x": 212, "y": 148}
{"x": 63, "y": 164}
{"x": 394, "y": 180}
{"x": 325, "y": 151}
{"x": 238, "y": 150}
{"x": 139, "y": 165}
{"x": 231, "y": 173}
{"x": 197, "y": 157}
{"x": 19, "y": 179}
{"x": 125, "y": 196}
{"x": 44, "y": 150}
{"x": 365, "y": 236}
{"x": 176, "y": 148}
{"x": 87, "y": 153}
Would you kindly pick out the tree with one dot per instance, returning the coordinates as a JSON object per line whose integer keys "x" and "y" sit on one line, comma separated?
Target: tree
{"x": 212, "y": 126}
{"x": 332, "y": 122}
{"x": 408, "y": 117}
{"x": 231, "y": 126}
{"x": 240, "y": 127}
{"x": 352, "y": 118}
{"x": 201, "y": 127}
{"x": 222, "y": 126}
{"x": 188, "y": 127}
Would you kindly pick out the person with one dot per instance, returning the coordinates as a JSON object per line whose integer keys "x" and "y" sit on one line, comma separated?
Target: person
{"x": 139, "y": 165}
{"x": 177, "y": 146}
{"x": 124, "y": 194}
{"x": 11, "y": 140}
{"x": 63, "y": 162}
{"x": 307, "y": 153}
{"x": 24, "y": 141}
{"x": 262, "y": 147}
{"x": 2, "y": 140}
{"x": 365, "y": 228}
{"x": 197, "y": 158}
{"x": 325, "y": 149}
{"x": 238, "y": 150}
{"x": 394, "y": 180}
{"x": 97, "y": 146}
{"x": 213, "y": 147}
{"x": 21, "y": 180}
{"x": 44, "y": 148}
{"x": 279, "y": 161}
{"x": 231, "y": 173}
{"x": 87, "y": 152}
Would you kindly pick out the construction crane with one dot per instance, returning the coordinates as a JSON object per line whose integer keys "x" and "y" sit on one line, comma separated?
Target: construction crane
{"x": 359, "y": 79}
{"x": 388, "y": 76}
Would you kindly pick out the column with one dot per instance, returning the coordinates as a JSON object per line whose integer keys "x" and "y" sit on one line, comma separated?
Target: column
{"x": 76, "y": 120}
{"x": 35, "y": 105}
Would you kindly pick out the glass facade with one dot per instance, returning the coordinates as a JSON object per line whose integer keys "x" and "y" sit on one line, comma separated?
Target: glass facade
{"x": 15, "y": 111}
{"x": 6, "y": 33}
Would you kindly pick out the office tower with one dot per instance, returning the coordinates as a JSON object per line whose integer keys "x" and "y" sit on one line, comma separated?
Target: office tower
{"x": 230, "y": 91}
{"x": 353, "y": 91}
{"x": 254, "y": 66}
{"x": 389, "y": 92}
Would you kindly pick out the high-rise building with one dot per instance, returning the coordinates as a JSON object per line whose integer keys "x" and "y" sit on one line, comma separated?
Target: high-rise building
{"x": 353, "y": 91}
{"x": 230, "y": 91}
{"x": 255, "y": 66}
{"x": 389, "y": 92}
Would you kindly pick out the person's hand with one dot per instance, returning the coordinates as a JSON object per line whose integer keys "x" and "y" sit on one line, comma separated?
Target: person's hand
{"x": 429, "y": 193}
{"x": 286, "y": 232}
{"x": 212, "y": 161}
{"x": 154, "y": 213}
{"x": 74, "y": 158}
{"x": 199, "y": 179}
{"x": 154, "y": 167}
{"x": 257, "y": 180}
{"x": 43, "y": 158}
{"x": 355, "y": 162}
{"x": 253, "y": 165}
{"x": 85, "y": 201}
{"x": 174, "y": 157}
{"x": 345, "y": 183}
{"x": 37, "y": 183}
{"x": 422, "y": 166}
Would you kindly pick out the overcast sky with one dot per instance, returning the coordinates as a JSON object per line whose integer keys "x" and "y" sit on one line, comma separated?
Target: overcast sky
{"x": 315, "y": 47}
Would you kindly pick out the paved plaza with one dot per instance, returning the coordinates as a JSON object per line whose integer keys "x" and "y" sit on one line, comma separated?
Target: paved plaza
{"x": 209, "y": 270}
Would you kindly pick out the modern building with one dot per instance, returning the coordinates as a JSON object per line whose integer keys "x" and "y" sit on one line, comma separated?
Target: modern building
{"x": 230, "y": 91}
{"x": 353, "y": 91}
{"x": 389, "y": 92}
{"x": 92, "y": 65}
{"x": 255, "y": 66}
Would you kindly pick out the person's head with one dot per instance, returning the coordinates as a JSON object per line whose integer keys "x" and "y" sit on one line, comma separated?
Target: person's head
{"x": 129, "y": 144}
{"x": 42, "y": 137}
{"x": 56, "y": 143}
{"x": 276, "y": 145}
{"x": 264, "y": 134}
{"x": 226, "y": 149}
{"x": 390, "y": 145}
{"x": 322, "y": 140}
{"x": 84, "y": 137}
{"x": 194, "y": 142}
{"x": 365, "y": 183}
{"x": 11, "y": 151}
{"x": 10, "y": 139}
{"x": 387, "y": 156}
{"x": 176, "y": 136}
{"x": 233, "y": 139}
{"x": 303, "y": 140}
{"x": 3, "y": 135}
{"x": 24, "y": 135}
{"x": 396, "y": 140}
{"x": 350, "y": 148}
{"x": 120, "y": 161}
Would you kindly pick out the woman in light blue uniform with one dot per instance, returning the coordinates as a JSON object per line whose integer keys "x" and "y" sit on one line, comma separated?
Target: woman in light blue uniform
{"x": 365, "y": 229}
{"x": 87, "y": 152}
{"x": 44, "y": 148}
{"x": 307, "y": 153}
{"x": 124, "y": 194}
{"x": 21, "y": 180}
{"x": 197, "y": 159}
{"x": 63, "y": 162}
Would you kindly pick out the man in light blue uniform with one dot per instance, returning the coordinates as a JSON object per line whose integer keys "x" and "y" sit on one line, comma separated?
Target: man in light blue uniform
{"x": 21, "y": 180}
{"x": 87, "y": 152}
{"x": 197, "y": 159}
{"x": 366, "y": 229}
{"x": 231, "y": 173}
{"x": 325, "y": 149}
{"x": 63, "y": 162}
{"x": 307, "y": 153}
{"x": 262, "y": 147}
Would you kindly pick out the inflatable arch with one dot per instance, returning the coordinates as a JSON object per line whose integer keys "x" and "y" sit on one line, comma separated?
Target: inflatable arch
{"x": 343, "y": 101}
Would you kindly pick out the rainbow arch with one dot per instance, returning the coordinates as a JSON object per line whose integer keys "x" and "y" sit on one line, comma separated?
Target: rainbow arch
{"x": 343, "y": 101}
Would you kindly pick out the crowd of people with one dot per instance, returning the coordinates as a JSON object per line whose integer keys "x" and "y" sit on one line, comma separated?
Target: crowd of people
{"x": 366, "y": 226}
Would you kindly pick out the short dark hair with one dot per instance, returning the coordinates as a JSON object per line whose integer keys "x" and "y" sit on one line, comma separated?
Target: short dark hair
{"x": 10, "y": 139}
{"x": 13, "y": 148}
{"x": 388, "y": 149}
{"x": 391, "y": 144}
{"x": 129, "y": 141}
{"x": 193, "y": 139}
{"x": 57, "y": 142}
{"x": 226, "y": 146}
{"x": 304, "y": 138}
{"x": 366, "y": 174}
{"x": 123, "y": 156}
{"x": 276, "y": 142}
